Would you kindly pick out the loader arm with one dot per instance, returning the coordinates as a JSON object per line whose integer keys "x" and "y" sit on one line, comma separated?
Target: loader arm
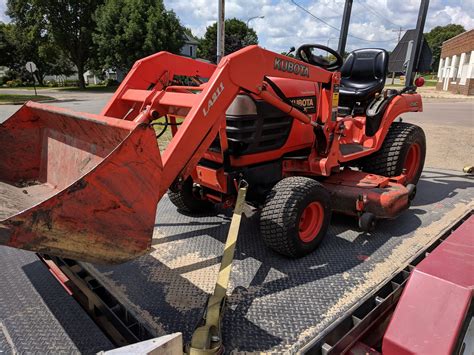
{"x": 243, "y": 70}
{"x": 87, "y": 186}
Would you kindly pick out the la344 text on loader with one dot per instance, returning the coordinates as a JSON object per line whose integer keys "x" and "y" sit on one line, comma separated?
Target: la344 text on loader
{"x": 308, "y": 134}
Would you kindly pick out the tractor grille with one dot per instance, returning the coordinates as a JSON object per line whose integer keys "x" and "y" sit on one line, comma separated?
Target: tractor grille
{"x": 264, "y": 131}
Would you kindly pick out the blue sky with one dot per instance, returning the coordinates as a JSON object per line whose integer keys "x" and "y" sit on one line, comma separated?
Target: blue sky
{"x": 374, "y": 22}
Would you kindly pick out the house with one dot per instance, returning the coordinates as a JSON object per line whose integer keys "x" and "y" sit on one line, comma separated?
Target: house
{"x": 3, "y": 71}
{"x": 456, "y": 66}
{"x": 189, "y": 48}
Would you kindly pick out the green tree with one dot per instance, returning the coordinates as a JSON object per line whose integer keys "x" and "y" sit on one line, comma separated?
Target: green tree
{"x": 237, "y": 36}
{"x": 25, "y": 47}
{"x": 128, "y": 30}
{"x": 53, "y": 34}
{"x": 437, "y": 36}
{"x": 71, "y": 24}
{"x": 6, "y": 47}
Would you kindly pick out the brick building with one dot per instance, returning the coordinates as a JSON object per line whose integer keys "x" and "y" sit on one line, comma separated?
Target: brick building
{"x": 456, "y": 67}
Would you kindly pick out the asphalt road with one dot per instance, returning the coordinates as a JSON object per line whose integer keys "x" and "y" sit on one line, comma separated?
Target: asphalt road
{"x": 448, "y": 124}
{"x": 449, "y": 129}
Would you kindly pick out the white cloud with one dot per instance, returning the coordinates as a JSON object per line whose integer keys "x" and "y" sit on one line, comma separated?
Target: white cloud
{"x": 3, "y": 8}
{"x": 456, "y": 15}
{"x": 286, "y": 25}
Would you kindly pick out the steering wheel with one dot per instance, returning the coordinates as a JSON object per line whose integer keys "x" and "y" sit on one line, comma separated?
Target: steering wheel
{"x": 305, "y": 54}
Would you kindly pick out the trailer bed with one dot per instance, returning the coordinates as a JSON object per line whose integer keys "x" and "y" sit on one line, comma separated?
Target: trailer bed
{"x": 37, "y": 316}
{"x": 276, "y": 304}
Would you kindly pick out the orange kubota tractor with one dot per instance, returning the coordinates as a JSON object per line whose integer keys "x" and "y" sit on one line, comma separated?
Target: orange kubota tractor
{"x": 309, "y": 135}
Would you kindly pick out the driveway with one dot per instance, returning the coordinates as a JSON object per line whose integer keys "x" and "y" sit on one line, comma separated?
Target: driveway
{"x": 91, "y": 102}
{"x": 449, "y": 129}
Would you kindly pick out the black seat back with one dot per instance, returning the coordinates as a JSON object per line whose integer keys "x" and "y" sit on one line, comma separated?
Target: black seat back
{"x": 363, "y": 75}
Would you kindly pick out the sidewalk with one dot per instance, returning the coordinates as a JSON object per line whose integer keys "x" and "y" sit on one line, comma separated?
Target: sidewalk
{"x": 430, "y": 92}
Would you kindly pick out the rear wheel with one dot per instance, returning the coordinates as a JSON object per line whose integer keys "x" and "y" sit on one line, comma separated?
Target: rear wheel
{"x": 187, "y": 200}
{"x": 403, "y": 150}
{"x": 295, "y": 216}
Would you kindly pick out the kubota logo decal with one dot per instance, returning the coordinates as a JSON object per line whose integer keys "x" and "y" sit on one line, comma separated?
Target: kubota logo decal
{"x": 290, "y": 67}
{"x": 213, "y": 99}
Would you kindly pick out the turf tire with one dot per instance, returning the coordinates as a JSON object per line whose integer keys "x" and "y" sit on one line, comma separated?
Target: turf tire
{"x": 186, "y": 201}
{"x": 390, "y": 159}
{"x": 282, "y": 211}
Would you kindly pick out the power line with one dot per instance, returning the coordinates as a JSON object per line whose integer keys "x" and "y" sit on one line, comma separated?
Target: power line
{"x": 317, "y": 18}
{"x": 335, "y": 28}
{"x": 376, "y": 13}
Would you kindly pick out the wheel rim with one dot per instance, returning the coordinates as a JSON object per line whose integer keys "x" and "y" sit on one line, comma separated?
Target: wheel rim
{"x": 311, "y": 221}
{"x": 412, "y": 161}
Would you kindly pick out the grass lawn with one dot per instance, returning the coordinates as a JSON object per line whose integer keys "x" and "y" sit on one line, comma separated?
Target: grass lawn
{"x": 166, "y": 137}
{"x": 25, "y": 88}
{"x": 430, "y": 82}
{"x": 21, "y": 99}
{"x": 90, "y": 88}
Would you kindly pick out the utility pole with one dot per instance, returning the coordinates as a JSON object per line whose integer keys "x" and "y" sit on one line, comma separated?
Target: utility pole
{"x": 220, "y": 29}
{"x": 346, "y": 17}
{"x": 400, "y": 30}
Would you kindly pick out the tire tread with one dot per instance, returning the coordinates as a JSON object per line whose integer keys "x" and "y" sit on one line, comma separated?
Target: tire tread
{"x": 280, "y": 212}
{"x": 386, "y": 161}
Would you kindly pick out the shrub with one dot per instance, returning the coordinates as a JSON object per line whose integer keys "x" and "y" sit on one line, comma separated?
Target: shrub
{"x": 71, "y": 83}
{"x": 14, "y": 83}
{"x": 111, "y": 83}
{"x": 52, "y": 83}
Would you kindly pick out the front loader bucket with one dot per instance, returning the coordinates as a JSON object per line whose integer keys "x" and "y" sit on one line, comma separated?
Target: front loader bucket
{"x": 77, "y": 185}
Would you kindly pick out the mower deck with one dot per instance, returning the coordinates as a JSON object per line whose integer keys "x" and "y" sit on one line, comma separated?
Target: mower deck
{"x": 276, "y": 304}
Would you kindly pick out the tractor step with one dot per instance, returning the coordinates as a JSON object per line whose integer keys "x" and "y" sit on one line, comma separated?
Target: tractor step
{"x": 352, "y": 148}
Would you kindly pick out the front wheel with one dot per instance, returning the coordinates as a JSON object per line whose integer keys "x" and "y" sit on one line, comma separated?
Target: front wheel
{"x": 296, "y": 216}
{"x": 187, "y": 201}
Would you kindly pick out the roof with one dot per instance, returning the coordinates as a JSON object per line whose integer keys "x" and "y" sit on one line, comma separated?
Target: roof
{"x": 466, "y": 33}
{"x": 398, "y": 56}
{"x": 189, "y": 39}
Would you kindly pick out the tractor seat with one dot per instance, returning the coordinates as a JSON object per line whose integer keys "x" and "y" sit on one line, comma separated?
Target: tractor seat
{"x": 362, "y": 76}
